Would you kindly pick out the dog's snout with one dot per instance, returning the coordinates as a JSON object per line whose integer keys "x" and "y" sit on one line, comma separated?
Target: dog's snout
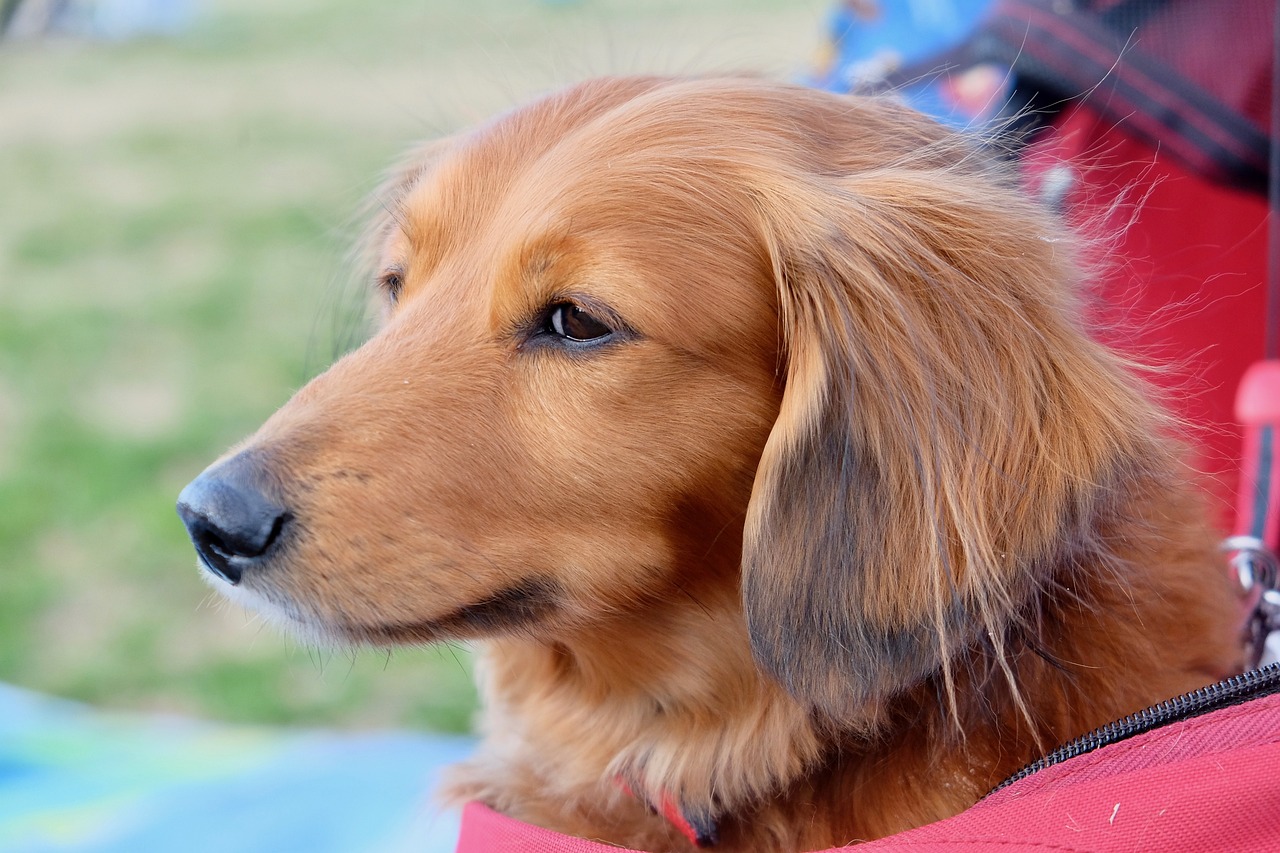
{"x": 232, "y": 523}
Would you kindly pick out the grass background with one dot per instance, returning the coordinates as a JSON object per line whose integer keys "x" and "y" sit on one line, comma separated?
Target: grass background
{"x": 174, "y": 215}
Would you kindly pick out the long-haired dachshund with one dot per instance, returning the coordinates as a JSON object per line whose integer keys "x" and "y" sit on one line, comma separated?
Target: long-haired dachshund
{"x": 754, "y": 436}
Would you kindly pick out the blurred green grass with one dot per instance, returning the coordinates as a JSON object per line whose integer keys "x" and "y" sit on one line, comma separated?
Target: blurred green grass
{"x": 174, "y": 216}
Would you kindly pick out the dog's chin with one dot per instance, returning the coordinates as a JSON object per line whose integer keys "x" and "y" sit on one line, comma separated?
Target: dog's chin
{"x": 517, "y": 609}
{"x": 282, "y": 613}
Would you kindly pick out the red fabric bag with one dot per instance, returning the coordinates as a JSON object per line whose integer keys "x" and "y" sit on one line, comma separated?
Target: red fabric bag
{"x": 1160, "y": 112}
{"x": 1210, "y": 783}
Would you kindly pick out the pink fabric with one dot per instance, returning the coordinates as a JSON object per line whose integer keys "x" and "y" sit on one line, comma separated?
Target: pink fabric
{"x": 1210, "y": 783}
{"x": 1207, "y": 784}
{"x": 1258, "y": 406}
{"x": 486, "y": 831}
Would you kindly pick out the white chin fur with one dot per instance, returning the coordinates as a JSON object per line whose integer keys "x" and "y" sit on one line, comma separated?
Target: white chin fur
{"x": 306, "y": 629}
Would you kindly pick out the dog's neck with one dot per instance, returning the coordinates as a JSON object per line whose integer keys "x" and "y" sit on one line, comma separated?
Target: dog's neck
{"x": 668, "y": 706}
{"x": 671, "y": 710}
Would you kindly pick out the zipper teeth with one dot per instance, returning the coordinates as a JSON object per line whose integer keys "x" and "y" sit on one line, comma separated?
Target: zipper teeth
{"x": 1223, "y": 694}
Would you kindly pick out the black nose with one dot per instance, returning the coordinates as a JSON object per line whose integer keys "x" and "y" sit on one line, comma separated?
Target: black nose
{"x": 233, "y": 525}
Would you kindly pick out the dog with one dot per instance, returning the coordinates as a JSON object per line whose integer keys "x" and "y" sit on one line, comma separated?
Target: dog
{"x": 755, "y": 437}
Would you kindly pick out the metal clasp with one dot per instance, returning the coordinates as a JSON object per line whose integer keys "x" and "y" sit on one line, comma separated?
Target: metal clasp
{"x": 1258, "y": 572}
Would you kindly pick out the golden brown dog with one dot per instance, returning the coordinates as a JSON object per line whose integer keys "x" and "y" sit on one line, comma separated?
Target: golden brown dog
{"x": 754, "y": 436}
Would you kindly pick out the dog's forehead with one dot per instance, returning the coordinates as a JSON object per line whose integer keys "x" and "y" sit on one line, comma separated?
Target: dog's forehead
{"x": 467, "y": 173}
{"x": 524, "y": 211}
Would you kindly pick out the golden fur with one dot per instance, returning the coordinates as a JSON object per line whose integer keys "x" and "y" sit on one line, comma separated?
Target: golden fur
{"x": 849, "y": 520}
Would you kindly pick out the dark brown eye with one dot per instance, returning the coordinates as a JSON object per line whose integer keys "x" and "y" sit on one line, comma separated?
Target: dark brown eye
{"x": 391, "y": 282}
{"x": 571, "y": 322}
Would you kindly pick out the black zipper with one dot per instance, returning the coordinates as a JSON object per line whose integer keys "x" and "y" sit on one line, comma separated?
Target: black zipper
{"x": 1232, "y": 691}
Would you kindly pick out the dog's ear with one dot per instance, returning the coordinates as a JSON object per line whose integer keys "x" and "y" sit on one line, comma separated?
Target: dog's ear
{"x": 946, "y": 427}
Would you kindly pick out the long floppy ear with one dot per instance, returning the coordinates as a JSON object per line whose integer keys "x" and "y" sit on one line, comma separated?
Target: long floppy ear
{"x": 947, "y": 431}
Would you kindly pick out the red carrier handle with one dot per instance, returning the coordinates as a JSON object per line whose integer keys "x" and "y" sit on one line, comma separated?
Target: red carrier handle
{"x": 1258, "y": 410}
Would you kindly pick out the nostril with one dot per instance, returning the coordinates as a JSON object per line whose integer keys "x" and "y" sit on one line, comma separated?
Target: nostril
{"x": 225, "y": 554}
{"x": 243, "y": 542}
{"x": 211, "y": 546}
{"x": 276, "y": 527}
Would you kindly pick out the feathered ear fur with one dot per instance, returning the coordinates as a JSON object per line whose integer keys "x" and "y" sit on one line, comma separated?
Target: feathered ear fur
{"x": 948, "y": 434}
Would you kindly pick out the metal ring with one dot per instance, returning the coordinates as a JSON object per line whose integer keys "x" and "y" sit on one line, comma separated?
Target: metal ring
{"x": 1254, "y": 563}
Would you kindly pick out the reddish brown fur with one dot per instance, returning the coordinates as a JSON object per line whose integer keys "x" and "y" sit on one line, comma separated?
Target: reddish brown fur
{"x": 855, "y": 522}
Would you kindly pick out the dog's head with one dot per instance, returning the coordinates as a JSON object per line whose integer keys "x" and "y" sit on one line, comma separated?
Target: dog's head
{"x": 647, "y": 335}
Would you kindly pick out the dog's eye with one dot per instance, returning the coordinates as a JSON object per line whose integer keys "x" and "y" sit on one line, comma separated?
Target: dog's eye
{"x": 571, "y": 322}
{"x": 391, "y": 283}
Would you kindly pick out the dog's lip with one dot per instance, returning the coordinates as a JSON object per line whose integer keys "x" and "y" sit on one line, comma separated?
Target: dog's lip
{"x": 397, "y": 634}
{"x": 512, "y": 608}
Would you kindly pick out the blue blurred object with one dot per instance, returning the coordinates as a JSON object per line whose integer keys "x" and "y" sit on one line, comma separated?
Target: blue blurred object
{"x": 75, "y": 779}
{"x": 869, "y": 42}
{"x": 122, "y": 19}
{"x": 102, "y": 19}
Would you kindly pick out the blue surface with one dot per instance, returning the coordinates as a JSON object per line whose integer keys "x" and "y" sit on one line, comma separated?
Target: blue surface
{"x": 74, "y": 779}
{"x": 869, "y": 40}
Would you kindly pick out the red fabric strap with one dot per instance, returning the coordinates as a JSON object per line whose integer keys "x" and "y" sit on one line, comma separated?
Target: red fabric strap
{"x": 1206, "y": 784}
{"x": 700, "y": 832}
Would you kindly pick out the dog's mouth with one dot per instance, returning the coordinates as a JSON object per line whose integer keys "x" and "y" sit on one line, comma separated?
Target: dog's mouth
{"x": 511, "y": 610}
{"x": 507, "y": 611}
